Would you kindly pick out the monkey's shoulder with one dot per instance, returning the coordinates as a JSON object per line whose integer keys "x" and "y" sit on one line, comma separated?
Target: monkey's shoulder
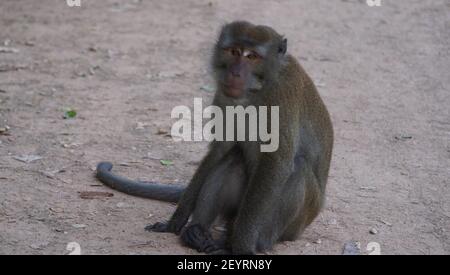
{"x": 294, "y": 79}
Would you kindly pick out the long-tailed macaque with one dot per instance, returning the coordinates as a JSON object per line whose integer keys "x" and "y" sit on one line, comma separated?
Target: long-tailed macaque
{"x": 264, "y": 197}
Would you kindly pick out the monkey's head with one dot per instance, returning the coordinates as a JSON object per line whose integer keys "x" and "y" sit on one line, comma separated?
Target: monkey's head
{"x": 247, "y": 57}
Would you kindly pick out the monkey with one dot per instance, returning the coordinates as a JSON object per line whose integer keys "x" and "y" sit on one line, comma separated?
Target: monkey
{"x": 264, "y": 197}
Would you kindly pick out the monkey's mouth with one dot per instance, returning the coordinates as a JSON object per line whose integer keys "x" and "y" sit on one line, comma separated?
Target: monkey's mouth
{"x": 234, "y": 92}
{"x": 234, "y": 89}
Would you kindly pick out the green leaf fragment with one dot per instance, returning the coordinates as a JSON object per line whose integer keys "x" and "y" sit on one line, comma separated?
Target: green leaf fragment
{"x": 70, "y": 113}
{"x": 166, "y": 162}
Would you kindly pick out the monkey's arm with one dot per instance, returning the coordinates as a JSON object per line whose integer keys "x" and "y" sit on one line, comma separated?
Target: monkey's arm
{"x": 187, "y": 202}
{"x": 260, "y": 202}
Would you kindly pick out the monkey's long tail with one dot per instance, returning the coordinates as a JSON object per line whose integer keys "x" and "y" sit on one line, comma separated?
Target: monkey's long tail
{"x": 150, "y": 190}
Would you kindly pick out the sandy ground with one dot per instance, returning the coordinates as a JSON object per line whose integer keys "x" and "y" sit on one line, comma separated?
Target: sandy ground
{"x": 123, "y": 65}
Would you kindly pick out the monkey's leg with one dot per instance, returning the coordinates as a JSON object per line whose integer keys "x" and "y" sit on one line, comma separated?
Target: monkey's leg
{"x": 257, "y": 209}
{"x": 220, "y": 194}
{"x": 187, "y": 202}
{"x": 313, "y": 199}
{"x": 284, "y": 213}
{"x": 302, "y": 201}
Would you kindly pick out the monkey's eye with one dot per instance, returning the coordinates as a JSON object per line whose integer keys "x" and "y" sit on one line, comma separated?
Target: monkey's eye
{"x": 233, "y": 51}
{"x": 253, "y": 56}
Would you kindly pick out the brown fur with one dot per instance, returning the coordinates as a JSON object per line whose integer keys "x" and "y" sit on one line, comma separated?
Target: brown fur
{"x": 264, "y": 197}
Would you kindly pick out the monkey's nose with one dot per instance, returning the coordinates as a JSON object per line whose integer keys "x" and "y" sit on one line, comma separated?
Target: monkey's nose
{"x": 235, "y": 74}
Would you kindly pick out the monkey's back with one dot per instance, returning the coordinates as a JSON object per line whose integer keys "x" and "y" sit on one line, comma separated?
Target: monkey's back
{"x": 302, "y": 103}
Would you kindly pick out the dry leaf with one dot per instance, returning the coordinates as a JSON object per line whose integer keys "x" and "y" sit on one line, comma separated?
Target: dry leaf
{"x": 89, "y": 195}
{"x": 27, "y": 158}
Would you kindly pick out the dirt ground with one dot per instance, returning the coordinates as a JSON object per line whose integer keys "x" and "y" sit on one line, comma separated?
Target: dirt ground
{"x": 123, "y": 65}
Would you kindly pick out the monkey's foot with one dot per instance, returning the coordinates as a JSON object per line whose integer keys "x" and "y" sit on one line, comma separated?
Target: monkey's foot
{"x": 158, "y": 227}
{"x": 164, "y": 227}
{"x": 220, "y": 252}
{"x": 195, "y": 236}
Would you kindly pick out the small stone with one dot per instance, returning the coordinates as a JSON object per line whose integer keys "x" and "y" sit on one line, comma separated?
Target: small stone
{"x": 332, "y": 222}
{"x": 39, "y": 246}
{"x": 8, "y": 50}
{"x": 27, "y": 158}
{"x": 79, "y": 226}
{"x": 56, "y": 209}
{"x": 162, "y": 132}
{"x": 7, "y": 42}
{"x": 385, "y": 222}
{"x": 29, "y": 43}
{"x": 141, "y": 125}
{"x": 121, "y": 205}
{"x": 373, "y": 231}
{"x": 80, "y": 74}
{"x": 318, "y": 241}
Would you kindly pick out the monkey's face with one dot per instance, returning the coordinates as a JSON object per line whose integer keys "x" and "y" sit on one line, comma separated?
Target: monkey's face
{"x": 246, "y": 58}
{"x": 242, "y": 70}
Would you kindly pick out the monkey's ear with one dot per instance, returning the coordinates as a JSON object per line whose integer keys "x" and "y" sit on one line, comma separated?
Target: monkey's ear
{"x": 283, "y": 46}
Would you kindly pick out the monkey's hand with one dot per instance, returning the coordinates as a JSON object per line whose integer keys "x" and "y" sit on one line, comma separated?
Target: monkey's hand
{"x": 163, "y": 227}
{"x": 158, "y": 227}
